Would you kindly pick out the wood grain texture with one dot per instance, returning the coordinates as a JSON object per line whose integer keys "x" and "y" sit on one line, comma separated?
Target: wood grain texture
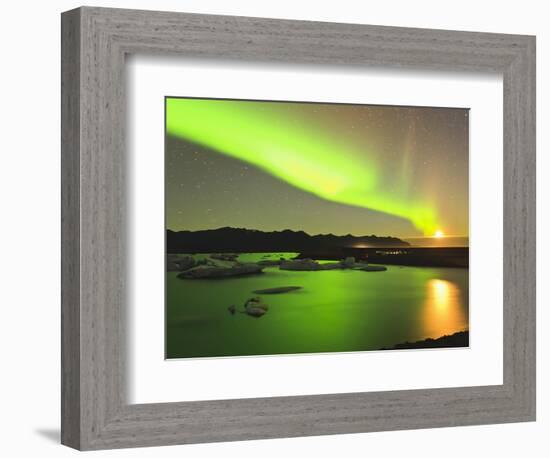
{"x": 70, "y": 229}
{"x": 96, "y": 413}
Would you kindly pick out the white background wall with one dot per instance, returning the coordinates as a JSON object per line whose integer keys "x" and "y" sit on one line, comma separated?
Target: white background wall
{"x": 29, "y": 231}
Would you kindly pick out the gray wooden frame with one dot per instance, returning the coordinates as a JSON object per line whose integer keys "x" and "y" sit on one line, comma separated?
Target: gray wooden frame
{"x": 95, "y": 413}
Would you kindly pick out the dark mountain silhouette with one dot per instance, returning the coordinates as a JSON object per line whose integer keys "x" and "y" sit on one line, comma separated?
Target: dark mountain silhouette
{"x": 229, "y": 239}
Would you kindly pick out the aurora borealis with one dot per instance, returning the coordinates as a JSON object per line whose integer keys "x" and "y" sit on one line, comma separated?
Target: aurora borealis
{"x": 360, "y": 169}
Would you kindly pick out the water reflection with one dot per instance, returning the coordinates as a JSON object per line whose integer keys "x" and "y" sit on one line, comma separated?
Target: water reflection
{"x": 336, "y": 310}
{"x": 443, "y": 312}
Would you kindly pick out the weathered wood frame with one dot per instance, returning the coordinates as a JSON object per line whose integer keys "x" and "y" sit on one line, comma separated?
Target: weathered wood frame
{"x": 95, "y": 413}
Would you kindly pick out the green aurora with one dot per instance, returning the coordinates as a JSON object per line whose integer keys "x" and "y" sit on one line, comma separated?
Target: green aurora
{"x": 304, "y": 154}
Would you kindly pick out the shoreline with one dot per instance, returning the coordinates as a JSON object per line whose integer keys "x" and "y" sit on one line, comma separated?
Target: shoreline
{"x": 459, "y": 339}
{"x": 457, "y": 257}
{"x": 407, "y": 256}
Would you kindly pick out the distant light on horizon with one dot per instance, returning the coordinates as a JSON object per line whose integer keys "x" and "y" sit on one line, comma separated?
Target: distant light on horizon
{"x": 438, "y": 234}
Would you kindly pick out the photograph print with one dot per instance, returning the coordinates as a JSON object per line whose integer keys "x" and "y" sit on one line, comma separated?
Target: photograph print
{"x": 304, "y": 227}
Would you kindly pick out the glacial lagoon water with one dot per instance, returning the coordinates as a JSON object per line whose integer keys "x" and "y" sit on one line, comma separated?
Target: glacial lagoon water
{"x": 335, "y": 311}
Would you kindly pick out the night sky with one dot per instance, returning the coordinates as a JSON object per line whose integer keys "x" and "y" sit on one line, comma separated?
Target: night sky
{"x": 320, "y": 168}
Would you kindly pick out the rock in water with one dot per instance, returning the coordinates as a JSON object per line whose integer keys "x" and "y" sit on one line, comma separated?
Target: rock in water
{"x": 280, "y": 289}
{"x": 332, "y": 266}
{"x": 171, "y": 265}
{"x": 255, "y": 311}
{"x": 255, "y": 302}
{"x": 176, "y": 263}
{"x": 225, "y": 256}
{"x": 232, "y": 309}
{"x": 255, "y": 307}
{"x": 373, "y": 268}
{"x": 349, "y": 262}
{"x": 268, "y": 262}
{"x": 238, "y": 270}
{"x": 252, "y": 299}
{"x": 300, "y": 264}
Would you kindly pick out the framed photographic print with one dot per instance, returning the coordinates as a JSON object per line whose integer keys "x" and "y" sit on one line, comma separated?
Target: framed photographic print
{"x": 286, "y": 228}
{"x": 265, "y": 204}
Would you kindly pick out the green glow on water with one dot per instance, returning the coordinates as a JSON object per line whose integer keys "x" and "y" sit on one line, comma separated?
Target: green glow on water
{"x": 311, "y": 160}
{"x": 338, "y": 310}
